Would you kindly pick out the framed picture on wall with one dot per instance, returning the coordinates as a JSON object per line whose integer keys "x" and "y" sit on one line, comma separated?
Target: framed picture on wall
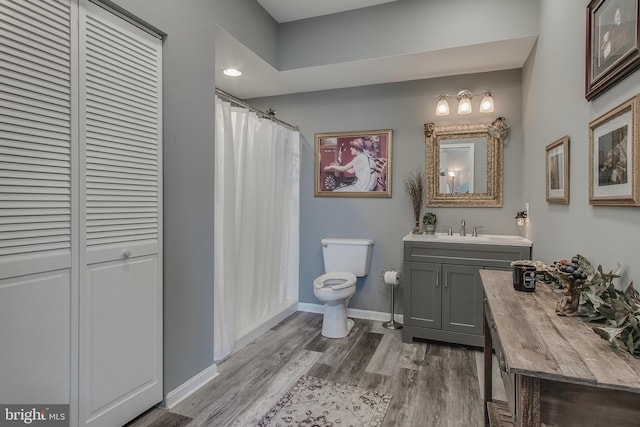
{"x": 557, "y": 171}
{"x": 612, "y": 43}
{"x": 613, "y": 156}
{"x": 353, "y": 164}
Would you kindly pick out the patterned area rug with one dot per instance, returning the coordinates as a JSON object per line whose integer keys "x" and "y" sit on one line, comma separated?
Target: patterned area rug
{"x": 316, "y": 402}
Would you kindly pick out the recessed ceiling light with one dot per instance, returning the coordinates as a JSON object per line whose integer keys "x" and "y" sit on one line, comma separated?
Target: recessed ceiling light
{"x": 232, "y": 72}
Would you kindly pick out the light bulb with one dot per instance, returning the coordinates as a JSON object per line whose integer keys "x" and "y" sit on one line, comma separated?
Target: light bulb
{"x": 464, "y": 107}
{"x": 232, "y": 72}
{"x": 486, "y": 106}
{"x": 442, "y": 108}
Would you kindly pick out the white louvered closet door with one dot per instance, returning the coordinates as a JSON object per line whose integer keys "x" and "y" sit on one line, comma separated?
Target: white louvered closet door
{"x": 38, "y": 139}
{"x": 120, "y": 152}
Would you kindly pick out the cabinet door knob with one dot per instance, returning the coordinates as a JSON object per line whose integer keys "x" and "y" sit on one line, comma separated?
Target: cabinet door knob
{"x": 126, "y": 253}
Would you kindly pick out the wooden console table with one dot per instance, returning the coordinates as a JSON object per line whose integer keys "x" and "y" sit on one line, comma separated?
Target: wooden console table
{"x": 556, "y": 370}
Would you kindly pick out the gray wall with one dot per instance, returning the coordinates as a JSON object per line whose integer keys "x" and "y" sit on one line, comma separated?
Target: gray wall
{"x": 554, "y": 106}
{"x": 546, "y": 104}
{"x": 404, "y": 108}
{"x": 402, "y": 27}
{"x": 188, "y": 76}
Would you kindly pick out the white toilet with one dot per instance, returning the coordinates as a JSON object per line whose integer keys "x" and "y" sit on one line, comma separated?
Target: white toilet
{"x": 344, "y": 260}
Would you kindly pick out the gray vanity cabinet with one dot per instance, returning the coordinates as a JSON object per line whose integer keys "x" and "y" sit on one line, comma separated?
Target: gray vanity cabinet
{"x": 442, "y": 289}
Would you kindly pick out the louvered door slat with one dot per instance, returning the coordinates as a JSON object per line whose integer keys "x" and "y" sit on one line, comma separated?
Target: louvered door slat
{"x": 26, "y": 105}
{"x": 122, "y": 124}
{"x": 9, "y": 228}
{"x": 124, "y": 171}
{"x": 123, "y": 157}
{"x": 31, "y": 157}
{"x": 114, "y": 37}
{"x": 35, "y": 135}
{"x": 106, "y": 140}
{"x": 120, "y": 100}
{"x": 37, "y": 220}
{"x": 19, "y": 111}
{"x": 122, "y": 68}
{"x": 29, "y": 195}
{"x": 40, "y": 21}
{"x": 25, "y": 94}
{"x": 123, "y": 190}
{"x": 128, "y": 118}
{"x": 14, "y": 59}
{"x": 35, "y": 248}
{"x": 123, "y": 150}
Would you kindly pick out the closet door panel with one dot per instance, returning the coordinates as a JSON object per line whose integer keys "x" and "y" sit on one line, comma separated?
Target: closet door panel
{"x": 35, "y": 336}
{"x": 36, "y": 130}
{"x": 120, "y": 229}
{"x": 38, "y": 138}
{"x": 123, "y": 350}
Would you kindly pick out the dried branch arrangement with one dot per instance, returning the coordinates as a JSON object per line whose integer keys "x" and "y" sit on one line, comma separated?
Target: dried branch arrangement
{"x": 414, "y": 184}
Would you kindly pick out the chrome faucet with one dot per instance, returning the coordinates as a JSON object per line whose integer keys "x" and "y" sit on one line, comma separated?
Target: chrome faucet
{"x": 463, "y": 231}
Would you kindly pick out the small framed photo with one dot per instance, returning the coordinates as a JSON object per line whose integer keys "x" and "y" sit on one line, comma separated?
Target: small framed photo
{"x": 613, "y": 156}
{"x": 557, "y": 171}
{"x": 612, "y": 43}
{"x": 353, "y": 164}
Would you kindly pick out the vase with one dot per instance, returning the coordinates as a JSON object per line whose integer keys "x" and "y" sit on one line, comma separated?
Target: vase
{"x": 416, "y": 229}
{"x": 429, "y": 229}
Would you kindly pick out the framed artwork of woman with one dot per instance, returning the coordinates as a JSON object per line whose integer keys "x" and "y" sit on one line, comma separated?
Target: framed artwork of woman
{"x": 353, "y": 164}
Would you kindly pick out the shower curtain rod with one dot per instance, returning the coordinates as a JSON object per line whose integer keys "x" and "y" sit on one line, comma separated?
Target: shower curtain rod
{"x": 234, "y": 100}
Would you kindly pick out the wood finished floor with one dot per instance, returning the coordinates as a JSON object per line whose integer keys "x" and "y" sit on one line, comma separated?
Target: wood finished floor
{"x": 432, "y": 384}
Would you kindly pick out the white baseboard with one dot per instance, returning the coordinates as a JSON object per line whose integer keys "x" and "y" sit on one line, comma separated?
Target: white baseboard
{"x": 352, "y": 312}
{"x": 190, "y": 386}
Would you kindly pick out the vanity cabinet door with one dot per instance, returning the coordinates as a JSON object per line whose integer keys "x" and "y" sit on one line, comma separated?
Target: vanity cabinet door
{"x": 462, "y": 297}
{"x": 423, "y": 296}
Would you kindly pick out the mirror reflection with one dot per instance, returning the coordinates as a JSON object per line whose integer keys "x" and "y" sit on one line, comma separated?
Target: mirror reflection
{"x": 464, "y": 165}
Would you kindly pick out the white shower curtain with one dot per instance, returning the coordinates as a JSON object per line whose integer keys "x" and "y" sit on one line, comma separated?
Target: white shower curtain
{"x": 257, "y": 178}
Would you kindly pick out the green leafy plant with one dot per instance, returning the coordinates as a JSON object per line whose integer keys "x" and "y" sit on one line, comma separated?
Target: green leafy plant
{"x": 429, "y": 218}
{"x": 617, "y": 312}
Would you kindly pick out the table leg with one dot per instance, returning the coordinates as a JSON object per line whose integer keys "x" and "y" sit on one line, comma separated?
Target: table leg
{"x": 528, "y": 401}
{"x": 488, "y": 368}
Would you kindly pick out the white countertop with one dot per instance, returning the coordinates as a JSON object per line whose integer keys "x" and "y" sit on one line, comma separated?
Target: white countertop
{"x": 482, "y": 239}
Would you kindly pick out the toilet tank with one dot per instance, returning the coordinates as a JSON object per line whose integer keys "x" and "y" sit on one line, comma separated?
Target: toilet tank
{"x": 353, "y": 255}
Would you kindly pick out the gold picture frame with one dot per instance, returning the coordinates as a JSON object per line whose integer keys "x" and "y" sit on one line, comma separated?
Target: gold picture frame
{"x": 557, "y": 171}
{"x": 614, "y": 178}
{"x": 353, "y": 164}
{"x": 613, "y": 44}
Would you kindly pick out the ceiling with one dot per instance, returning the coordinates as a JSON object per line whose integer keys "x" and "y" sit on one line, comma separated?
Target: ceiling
{"x": 293, "y": 10}
{"x": 260, "y": 79}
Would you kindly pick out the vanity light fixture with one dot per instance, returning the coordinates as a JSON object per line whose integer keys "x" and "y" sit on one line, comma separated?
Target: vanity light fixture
{"x": 464, "y": 102}
{"x": 521, "y": 218}
{"x": 442, "y": 108}
{"x": 232, "y": 72}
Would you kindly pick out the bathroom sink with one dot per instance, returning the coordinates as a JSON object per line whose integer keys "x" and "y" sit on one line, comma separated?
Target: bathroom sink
{"x": 482, "y": 239}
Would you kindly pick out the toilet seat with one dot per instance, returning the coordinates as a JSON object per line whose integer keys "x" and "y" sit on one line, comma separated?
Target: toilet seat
{"x": 335, "y": 280}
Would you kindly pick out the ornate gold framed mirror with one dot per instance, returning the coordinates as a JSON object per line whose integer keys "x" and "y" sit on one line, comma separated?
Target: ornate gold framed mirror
{"x": 464, "y": 164}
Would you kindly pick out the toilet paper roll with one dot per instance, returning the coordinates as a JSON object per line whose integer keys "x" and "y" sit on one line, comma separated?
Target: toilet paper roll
{"x": 391, "y": 277}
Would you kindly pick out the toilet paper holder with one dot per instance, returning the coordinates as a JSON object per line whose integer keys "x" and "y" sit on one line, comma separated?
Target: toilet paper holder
{"x": 391, "y": 277}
